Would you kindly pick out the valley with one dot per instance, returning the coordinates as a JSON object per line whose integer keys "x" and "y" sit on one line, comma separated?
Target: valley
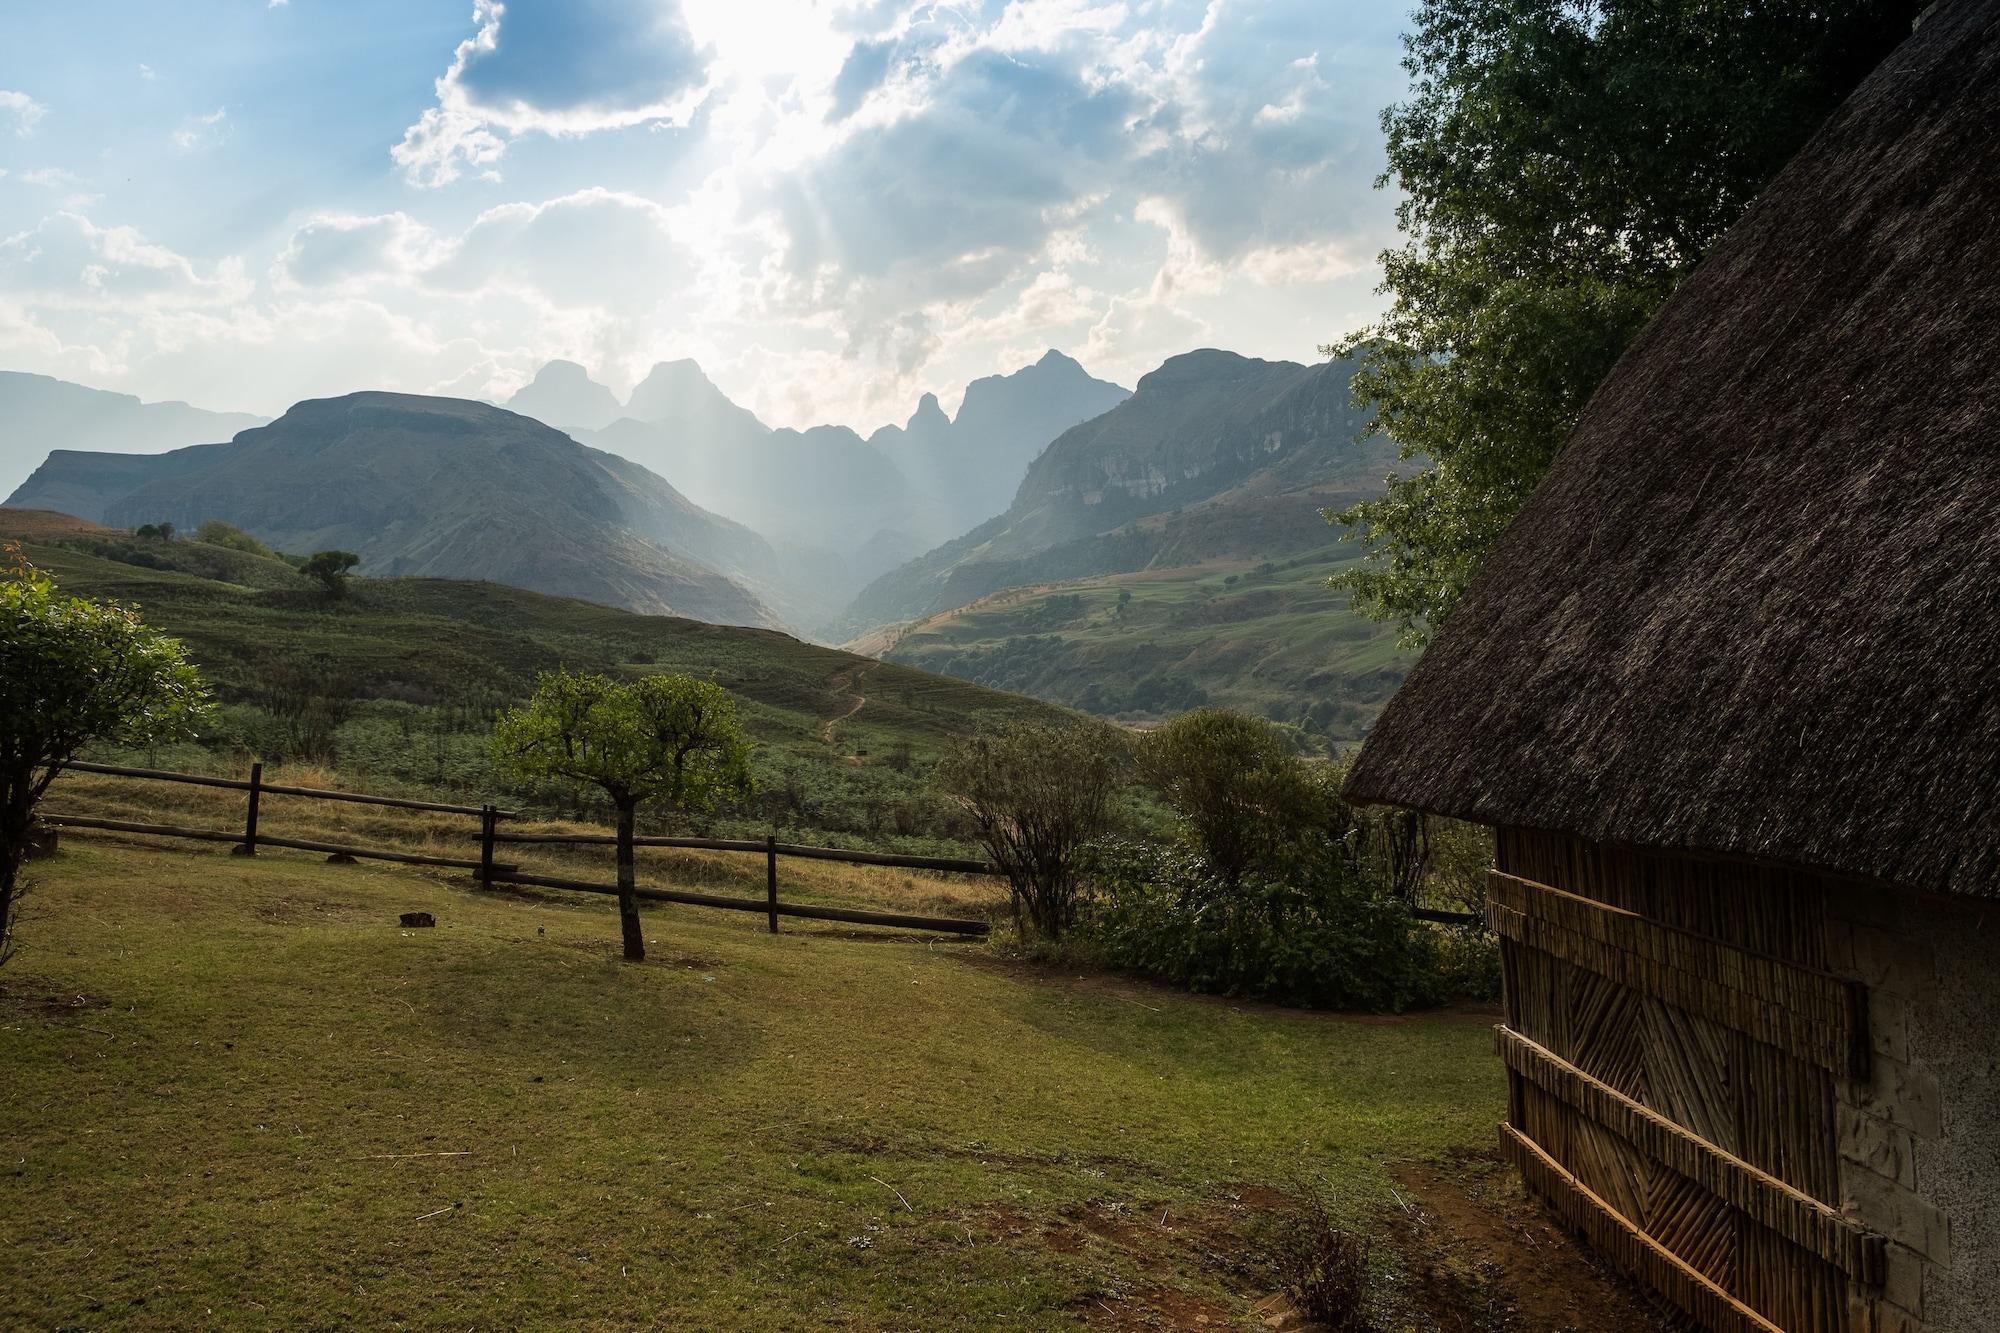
{"x": 416, "y": 666}
{"x": 950, "y": 542}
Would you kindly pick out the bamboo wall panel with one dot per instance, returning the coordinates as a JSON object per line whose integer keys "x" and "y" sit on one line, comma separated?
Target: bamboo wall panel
{"x": 1808, "y": 1013}
{"x": 1731, "y": 1181}
{"x": 1628, "y": 1247}
{"x": 1674, "y": 1045}
{"x": 1778, "y": 912}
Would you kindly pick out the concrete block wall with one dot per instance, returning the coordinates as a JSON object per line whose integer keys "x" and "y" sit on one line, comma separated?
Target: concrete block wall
{"x": 1920, "y": 1139}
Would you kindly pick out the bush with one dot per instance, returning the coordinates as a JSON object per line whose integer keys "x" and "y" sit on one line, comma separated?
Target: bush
{"x": 1243, "y": 796}
{"x": 215, "y": 532}
{"x": 1325, "y": 1268}
{"x": 1320, "y": 937}
{"x": 1040, "y": 795}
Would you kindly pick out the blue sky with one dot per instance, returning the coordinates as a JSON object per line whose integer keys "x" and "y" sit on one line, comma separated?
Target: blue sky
{"x": 834, "y": 206}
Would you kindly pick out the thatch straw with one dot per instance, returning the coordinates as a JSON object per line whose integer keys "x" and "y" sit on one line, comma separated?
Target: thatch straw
{"x": 1755, "y": 608}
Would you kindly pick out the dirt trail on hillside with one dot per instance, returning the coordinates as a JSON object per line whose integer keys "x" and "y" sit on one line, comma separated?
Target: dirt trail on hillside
{"x": 844, "y": 683}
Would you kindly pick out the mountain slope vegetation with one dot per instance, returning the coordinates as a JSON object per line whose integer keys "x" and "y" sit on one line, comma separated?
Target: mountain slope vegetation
{"x": 1270, "y": 639}
{"x": 437, "y": 486}
{"x": 1214, "y": 456}
{"x": 1165, "y": 554}
{"x": 422, "y": 663}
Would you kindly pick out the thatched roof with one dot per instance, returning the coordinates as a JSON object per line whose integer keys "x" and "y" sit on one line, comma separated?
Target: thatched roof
{"x": 1754, "y": 609}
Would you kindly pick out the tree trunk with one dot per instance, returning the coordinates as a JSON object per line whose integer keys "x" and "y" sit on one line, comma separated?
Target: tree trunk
{"x": 13, "y": 850}
{"x": 628, "y": 900}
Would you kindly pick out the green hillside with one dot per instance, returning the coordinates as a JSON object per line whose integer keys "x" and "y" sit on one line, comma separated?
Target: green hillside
{"x": 419, "y": 665}
{"x": 1268, "y": 638}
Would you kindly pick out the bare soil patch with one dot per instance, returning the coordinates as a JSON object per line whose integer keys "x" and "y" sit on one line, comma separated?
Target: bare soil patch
{"x": 1483, "y": 1256}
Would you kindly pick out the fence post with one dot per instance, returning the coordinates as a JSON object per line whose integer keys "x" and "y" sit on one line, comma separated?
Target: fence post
{"x": 771, "y": 879}
{"x": 249, "y": 846}
{"x": 488, "y": 817}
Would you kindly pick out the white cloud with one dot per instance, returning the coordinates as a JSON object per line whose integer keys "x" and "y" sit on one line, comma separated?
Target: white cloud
{"x": 69, "y": 261}
{"x": 347, "y": 251}
{"x": 22, "y": 109}
{"x": 859, "y": 200}
{"x": 553, "y": 67}
{"x": 203, "y": 131}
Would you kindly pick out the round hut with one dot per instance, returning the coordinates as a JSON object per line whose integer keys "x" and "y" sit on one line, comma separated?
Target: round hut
{"x": 1728, "y": 693}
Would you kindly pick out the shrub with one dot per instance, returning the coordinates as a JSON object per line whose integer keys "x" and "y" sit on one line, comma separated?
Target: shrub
{"x": 1325, "y": 1268}
{"x": 1243, "y": 796}
{"x": 1319, "y": 937}
{"x": 214, "y": 532}
{"x": 1039, "y": 796}
{"x": 330, "y": 568}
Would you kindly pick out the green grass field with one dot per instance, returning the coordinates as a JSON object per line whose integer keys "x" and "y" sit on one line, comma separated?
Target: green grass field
{"x": 1270, "y": 639}
{"x": 238, "y": 1093}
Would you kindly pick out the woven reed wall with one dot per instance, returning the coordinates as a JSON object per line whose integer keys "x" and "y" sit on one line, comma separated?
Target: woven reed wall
{"x": 1675, "y": 1046}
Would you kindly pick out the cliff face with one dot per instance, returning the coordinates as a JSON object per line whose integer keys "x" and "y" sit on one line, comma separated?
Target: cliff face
{"x": 437, "y": 486}
{"x": 1214, "y": 454}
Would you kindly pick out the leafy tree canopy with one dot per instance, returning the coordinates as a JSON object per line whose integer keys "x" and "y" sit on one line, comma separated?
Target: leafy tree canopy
{"x": 214, "y": 532}
{"x": 330, "y": 568}
{"x": 1242, "y": 793}
{"x": 1564, "y": 164}
{"x": 667, "y": 738}
{"x": 73, "y": 672}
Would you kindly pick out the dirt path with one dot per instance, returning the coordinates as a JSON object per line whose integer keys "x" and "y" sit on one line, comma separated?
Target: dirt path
{"x": 844, "y": 683}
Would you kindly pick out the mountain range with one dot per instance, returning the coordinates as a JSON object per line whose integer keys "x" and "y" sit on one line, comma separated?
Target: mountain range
{"x": 1152, "y": 549}
{"x": 1214, "y": 456}
{"x": 38, "y": 414}
{"x": 439, "y": 486}
{"x": 841, "y": 508}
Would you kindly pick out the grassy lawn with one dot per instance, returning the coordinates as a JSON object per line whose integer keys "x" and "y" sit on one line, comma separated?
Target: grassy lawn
{"x": 237, "y": 1092}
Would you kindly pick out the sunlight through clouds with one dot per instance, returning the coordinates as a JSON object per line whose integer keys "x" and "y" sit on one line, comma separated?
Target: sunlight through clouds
{"x": 833, "y": 207}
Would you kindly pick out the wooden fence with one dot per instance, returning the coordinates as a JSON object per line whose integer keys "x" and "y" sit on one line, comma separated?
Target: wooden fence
{"x": 487, "y": 869}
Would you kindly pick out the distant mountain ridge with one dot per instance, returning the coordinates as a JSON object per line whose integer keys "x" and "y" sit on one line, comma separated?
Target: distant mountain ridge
{"x": 1214, "y": 455}
{"x": 437, "y": 486}
{"x": 840, "y": 509}
{"x": 39, "y": 413}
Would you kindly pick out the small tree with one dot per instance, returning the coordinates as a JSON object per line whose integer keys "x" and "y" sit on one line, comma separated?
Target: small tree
{"x": 311, "y": 697}
{"x": 330, "y": 569}
{"x": 671, "y": 739}
{"x": 1039, "y": 795}
{"x": 74, "y": 671}
{"x": 1242, "y": 793}
{"x": 214, "y": 532}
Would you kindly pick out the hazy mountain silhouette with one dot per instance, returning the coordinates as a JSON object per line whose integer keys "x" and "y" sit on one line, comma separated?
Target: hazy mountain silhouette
{"x": 841, "y": 510}
{"x": 974, "y": 462}
{"x": 39, "y": 414}
{"x": 563, "y": 395}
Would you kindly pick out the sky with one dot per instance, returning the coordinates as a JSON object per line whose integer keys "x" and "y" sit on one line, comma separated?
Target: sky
{"x": 832, "y": 205}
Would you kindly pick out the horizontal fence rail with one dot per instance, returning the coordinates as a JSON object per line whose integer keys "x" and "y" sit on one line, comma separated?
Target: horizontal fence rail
{"x": 812, "y": 911}
{"x": 255, "y": 783}
{"x": 263, "y": 840}
{"x": 1448, "y": 918}
{"x": 487, "y": 870}
{"x": 943, "y": 864}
